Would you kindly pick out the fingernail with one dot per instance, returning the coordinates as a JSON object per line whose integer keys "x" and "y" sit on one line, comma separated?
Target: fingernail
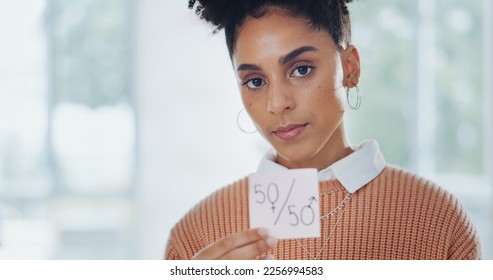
{"x": 269, "y": 257}
{"x": 271, "y": 241}
{"x": 263, "y": 232}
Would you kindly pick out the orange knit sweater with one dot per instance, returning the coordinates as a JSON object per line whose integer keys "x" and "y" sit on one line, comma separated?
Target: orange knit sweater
{"x": 397, "y": 215}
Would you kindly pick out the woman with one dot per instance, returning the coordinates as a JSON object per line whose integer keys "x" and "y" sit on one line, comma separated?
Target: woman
{"x": 296, "y": 69}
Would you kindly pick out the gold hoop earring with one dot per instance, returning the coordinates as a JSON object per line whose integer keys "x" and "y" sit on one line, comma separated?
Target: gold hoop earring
{"x": 358, "y": 98}
{"x": 239, "y": 126}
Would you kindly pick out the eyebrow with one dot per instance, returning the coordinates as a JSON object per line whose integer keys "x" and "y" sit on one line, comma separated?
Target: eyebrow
{"x": 283, "y": 60}
{"x": 248, "y": 67}
{"x": 292, "y": 55}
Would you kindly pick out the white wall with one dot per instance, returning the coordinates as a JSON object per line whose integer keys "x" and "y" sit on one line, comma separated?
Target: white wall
{"x": 188, "y": 100}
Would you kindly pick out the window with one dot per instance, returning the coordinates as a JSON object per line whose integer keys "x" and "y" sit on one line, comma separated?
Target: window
{"x": 67, "y": 148}
{"x": 428, "y": 94}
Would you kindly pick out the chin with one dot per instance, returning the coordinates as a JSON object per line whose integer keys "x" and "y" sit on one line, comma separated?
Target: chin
{"x": 297, "y": 158}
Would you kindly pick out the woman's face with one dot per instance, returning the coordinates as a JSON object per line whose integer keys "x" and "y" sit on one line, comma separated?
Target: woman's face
{"x": 291, "y": 83}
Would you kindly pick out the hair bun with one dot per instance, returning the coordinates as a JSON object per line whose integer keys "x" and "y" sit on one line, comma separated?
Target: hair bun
{"x": 330, "y": 15}
{"x": 344, "y": 8}
{"x": 220, "y": 12}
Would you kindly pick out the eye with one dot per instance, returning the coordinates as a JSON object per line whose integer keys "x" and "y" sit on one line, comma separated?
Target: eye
{"x": 254, "y": 83}
{"x": 302, "y": 71}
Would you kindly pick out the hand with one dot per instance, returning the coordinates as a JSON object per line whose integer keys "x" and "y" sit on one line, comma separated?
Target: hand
{"x": 241, "y": 246}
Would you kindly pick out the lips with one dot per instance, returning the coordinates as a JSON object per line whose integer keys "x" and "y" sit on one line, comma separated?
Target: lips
{"x": 290, "y": 131}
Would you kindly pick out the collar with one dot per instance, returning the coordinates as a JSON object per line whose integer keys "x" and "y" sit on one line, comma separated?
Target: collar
{"x": 353, "y": 171}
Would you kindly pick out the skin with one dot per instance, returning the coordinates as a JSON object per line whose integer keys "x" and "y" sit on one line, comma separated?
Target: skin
{"x": 290, "y": 74}
{"x": 241, "y": 246}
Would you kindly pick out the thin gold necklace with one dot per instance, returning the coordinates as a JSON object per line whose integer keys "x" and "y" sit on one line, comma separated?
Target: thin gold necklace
{"x": 342, "y": 205}
{"x": 338, "y": 207}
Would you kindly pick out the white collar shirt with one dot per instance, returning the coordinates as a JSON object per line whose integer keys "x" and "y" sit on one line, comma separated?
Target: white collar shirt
{"x": 353, "y": 171}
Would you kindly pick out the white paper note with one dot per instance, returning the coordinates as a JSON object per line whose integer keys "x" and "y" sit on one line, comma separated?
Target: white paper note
{"x": 285, "y": 202}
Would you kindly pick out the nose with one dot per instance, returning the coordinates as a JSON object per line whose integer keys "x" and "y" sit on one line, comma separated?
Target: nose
{"x": 280, "y": 100}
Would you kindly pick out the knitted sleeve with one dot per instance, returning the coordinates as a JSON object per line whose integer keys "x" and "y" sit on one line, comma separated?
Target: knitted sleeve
{"x": 222, "y": 213}
{"x": 173, "y": 249}
{"x": 185, "y": 239}
{"x": 171, "y": 253}
{"x": 465, "y": 241}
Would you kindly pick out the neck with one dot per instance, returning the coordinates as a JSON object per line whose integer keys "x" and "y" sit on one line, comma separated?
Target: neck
{"x": 336, "y": 148}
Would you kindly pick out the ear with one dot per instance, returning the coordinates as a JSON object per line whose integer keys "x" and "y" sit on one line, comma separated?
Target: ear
{"x": 350, "y": 66}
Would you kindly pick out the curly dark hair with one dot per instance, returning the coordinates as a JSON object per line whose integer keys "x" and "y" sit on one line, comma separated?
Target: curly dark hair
{"x": 329, "y": 15}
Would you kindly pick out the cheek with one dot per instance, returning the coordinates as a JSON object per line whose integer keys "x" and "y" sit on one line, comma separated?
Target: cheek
{"x": 248, "y": 102}
{"x": 325, "y": 96}
{"x": 326, "y": 103}
{"x": 328, "y": 88}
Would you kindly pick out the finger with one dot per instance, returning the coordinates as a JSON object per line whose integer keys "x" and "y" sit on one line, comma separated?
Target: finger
{"x": 268, "y": 257}
{"x": 223, "y": 246}
{"x": 251, "y": 250}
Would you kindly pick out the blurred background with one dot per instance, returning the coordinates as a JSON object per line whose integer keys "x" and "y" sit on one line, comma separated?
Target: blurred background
{"x": 117, "y": 116}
